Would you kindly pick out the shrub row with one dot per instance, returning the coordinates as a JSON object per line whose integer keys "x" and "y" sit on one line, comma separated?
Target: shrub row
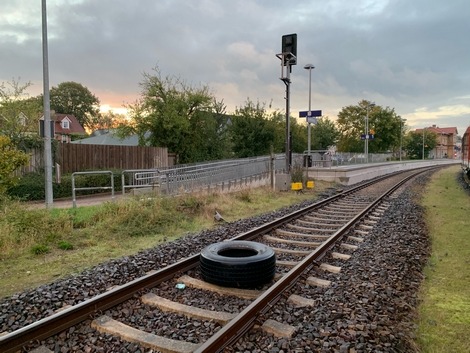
{"x": 31, "y": 187}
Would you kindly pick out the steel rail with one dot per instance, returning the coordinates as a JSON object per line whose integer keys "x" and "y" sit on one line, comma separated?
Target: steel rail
{"x": 66, "y": 318}
{"x": 239, "y": 325}
{"x": 46, "y": 327}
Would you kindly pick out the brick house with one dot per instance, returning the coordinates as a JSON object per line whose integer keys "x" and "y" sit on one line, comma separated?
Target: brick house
{"x": 446, "y": 141}
{"x": 65, "y": 125}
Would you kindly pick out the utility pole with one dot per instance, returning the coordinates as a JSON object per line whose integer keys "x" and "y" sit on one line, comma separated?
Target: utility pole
{"x": 47, "y": 111}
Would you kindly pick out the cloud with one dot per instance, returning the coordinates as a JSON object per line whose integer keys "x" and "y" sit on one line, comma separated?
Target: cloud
{"x": 402, "y": 54}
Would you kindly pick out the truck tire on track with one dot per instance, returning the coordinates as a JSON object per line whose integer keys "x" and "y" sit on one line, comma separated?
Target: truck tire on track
{"x": 239, "y": 263}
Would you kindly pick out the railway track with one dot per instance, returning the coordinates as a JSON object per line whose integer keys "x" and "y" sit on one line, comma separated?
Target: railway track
{"x": 305, "y": 242}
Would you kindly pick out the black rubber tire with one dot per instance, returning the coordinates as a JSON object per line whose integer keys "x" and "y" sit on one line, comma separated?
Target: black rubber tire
{"x": 239, "y": 264}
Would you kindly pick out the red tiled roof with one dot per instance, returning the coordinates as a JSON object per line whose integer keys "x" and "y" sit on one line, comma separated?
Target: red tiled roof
{"x": 74, "y": 126}
{"x": 440, "y": 130}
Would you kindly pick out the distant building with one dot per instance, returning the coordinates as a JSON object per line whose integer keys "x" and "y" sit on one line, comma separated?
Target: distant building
{"x": 446, "y": 141}
{"x": 109, "y": 137}
{"x": 65, "y": 126}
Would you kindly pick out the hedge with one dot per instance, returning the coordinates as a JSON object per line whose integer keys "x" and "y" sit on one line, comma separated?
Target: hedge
{"x": 31, "y": 187}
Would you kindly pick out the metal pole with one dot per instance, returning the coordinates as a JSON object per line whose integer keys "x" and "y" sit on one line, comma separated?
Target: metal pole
{"x": 309, "y": 67}
{"x": 423, "y": 143}
{"x": 47, "y": 111}
{"x": 366, "y": 141}
{"x": 287, "y": 82}
{"x": 401, "y": 135}
{"x": 367, "y": 136}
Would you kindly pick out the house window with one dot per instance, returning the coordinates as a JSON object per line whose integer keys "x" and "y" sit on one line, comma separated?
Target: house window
{"x": 64, "y": 138}
{"x": 22, "y": 119}
{"x": 65, "y": 124}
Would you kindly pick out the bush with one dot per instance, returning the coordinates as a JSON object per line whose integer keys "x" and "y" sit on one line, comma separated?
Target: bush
{"x": 31, "y": 187}
{"x": 39, "y": 249}
{"x": 24, "y": 229}
{"x": 65, "y": 245}
{"x": 10, "y": 160}
{"x": 297, "y": 173}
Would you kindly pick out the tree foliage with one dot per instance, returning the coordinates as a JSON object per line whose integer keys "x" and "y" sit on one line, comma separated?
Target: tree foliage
{"x": 251, "y": 132}
{"x": 190, "y": 122}
{"x": 254, "y": 131}
{"x": 324, "y": 134}
{"x": 19, "y": 114}
{"x": 74, "y": 98}
{"x": 10, "y": 159}
{"x": 187, "y": 120}
{"x": 384, "y": 124}
{"x": 299, "y": 136}
{"x": 413, "y": 143}
{"x": 107, "y": 120}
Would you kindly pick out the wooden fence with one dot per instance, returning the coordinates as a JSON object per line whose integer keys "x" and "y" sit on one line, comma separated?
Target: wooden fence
{"x": 77, "y": 158}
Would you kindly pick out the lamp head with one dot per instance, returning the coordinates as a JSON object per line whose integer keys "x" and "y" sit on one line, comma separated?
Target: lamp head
{"x": 309, "y": 67}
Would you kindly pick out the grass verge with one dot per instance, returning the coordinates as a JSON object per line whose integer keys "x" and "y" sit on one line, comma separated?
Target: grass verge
{"x": 444, "y": 314}
{"x": 39, "y": 246}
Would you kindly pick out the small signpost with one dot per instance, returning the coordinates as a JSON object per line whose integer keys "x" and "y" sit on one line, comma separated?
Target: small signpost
{"x": 310, "y": 115}
{"x": 367, "y": 137}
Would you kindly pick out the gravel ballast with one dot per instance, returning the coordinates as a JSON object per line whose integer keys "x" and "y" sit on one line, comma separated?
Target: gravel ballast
{"x": 370, "y": 306}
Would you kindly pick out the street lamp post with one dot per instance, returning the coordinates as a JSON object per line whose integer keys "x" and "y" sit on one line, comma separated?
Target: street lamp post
{"x": 402, "y": 121}
{"x": 423, "y": 142}
{"x": 366, "y": 140}
{"x": 47, "y": 111}
{"x": 309, "y": 67}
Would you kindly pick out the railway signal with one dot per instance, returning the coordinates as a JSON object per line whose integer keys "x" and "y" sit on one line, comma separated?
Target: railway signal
{"x": 288, "y": 58}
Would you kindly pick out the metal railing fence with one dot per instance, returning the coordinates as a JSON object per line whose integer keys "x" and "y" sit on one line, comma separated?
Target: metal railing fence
{"x": 185, "y": 178}
{"x": 75, "y": 189}
{"x": 191, "y": 177}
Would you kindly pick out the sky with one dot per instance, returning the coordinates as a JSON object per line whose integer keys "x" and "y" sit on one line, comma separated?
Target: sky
{"x": 409, "y": 55}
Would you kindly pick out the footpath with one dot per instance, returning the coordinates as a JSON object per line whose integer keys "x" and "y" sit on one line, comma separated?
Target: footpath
{"x": 80, "y": 201}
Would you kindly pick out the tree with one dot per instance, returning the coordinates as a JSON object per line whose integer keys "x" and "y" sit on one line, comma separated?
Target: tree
{"x": 384, "y": 125}
{"x": 185, "y": 119}
{"x": 107, "y": 120}
{"x": 413, "y": 143}
{"x": 299, "y": 135}
{"x": 10, "y": 160}
{"x": 212, "y": 141}
{"x": 74, "y": 98}
{"x": 251, "y": 131}
{"x": 19, "y": 114}
{"x": 324, "y": 134}
{"x": 278, "y": 120}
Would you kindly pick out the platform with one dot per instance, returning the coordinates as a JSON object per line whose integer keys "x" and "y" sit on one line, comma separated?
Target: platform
{"x": 353, "y": 174}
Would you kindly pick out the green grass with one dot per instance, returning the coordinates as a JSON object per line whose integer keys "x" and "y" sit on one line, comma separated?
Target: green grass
{"x": 444, "y": 315}
{"x": 39, "y": 246}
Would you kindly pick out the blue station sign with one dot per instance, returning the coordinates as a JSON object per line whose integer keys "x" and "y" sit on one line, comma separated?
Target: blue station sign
{"x": 367, "y": 137}
{"x": 309, "y": 113}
